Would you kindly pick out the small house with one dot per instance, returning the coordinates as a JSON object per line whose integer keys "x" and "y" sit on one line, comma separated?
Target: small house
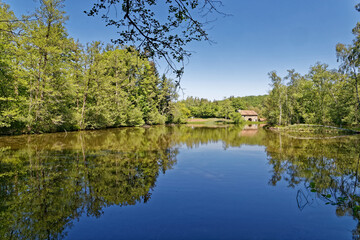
{"x": 249, "y": 115}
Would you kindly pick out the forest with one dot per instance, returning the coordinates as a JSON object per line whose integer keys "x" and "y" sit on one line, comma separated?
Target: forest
{"x": 226, "y": 108}
{"x": 322, "y": 96}
{"x": 51, "y": 82}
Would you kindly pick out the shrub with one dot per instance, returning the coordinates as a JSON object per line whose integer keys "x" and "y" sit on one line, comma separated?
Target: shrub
{"x": 237, "y": 118}
{"x": 155, "y": 118}
{"x": 135, "y": 117}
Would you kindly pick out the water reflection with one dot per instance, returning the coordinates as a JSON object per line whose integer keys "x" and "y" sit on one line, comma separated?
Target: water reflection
{"x": 49, "y": 181}
{"x": 322, "y": 169}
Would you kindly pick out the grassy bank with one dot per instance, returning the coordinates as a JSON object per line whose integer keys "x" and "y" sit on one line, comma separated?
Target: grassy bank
{"x": 209, "y": 121}
{"x": 216, "y": 121}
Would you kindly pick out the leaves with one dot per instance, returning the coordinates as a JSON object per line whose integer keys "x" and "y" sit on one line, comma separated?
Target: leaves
{"x": 322, "y": 96}
{"x": 139, "y": 23}
{"x": 51, "y": 83}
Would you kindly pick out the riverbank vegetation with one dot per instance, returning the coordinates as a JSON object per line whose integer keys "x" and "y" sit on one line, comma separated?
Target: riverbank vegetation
{"x": 50, "y": 82}
{"x": 322, "y": 96}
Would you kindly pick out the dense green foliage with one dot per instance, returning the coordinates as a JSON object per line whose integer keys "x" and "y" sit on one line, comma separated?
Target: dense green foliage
{"x": 322, "y": 96}
{"x": 49, "y": 82}
{"x": 204, "y": 108}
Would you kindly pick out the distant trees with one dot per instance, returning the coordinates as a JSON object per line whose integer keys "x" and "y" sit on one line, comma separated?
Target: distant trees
{"x": 276, "y": 97}
{"x": 349, "y": 55}
{"x": 322, "y": 96}
{"x": 49, "y": 82}
{"x": 203, "y": 108}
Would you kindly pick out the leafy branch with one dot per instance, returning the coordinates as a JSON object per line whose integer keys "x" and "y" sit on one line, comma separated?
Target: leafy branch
{"x": 142, "y": 23}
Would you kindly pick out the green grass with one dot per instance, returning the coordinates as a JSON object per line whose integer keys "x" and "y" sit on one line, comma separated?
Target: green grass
{"x": 217, "y": 121}
{"x": 209, "y": 121}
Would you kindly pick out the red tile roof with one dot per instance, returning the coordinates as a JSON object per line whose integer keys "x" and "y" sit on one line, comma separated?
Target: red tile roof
{"x": 248, "y": 113}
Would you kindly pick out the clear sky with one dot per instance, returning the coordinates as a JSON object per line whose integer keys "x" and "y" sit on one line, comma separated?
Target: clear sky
{"x": 260, "y": 36}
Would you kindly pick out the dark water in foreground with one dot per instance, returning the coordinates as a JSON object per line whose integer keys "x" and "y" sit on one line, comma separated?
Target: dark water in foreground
{"x": 178, "y": 183}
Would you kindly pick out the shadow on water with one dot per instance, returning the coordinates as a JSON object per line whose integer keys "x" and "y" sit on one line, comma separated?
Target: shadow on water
{"x": 48, "y": 181}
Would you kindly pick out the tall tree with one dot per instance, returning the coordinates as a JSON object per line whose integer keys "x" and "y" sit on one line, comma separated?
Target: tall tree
{"x": 225, "y": 109}
{"x": 275, "y": 99}
{"x": 321, "y": 79}
{"x": 292, "y": 95}
{"x": 49, "y": 82}
{"x": 46, "y": 60}
{"x": 349, "y": 55}
{"x": 9, "y": 87}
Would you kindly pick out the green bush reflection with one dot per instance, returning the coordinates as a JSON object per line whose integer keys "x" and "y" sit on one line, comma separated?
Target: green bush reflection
{"x": 48, "y": 181}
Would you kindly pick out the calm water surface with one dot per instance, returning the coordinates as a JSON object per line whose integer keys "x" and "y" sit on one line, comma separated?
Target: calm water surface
{"x": 178, "y": 182}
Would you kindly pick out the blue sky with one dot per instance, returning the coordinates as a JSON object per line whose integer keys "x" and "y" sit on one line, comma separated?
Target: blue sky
{"x": 260, "y": 36}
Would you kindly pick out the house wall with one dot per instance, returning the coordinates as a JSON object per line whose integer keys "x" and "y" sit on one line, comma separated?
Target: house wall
{"x": 251, "y": 118}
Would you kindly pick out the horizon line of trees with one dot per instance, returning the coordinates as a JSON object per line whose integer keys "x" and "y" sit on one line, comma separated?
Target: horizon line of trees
{"x": 50, "y": 82}
{"x": 322, "y": 96}
{"x": 226, "y": 108}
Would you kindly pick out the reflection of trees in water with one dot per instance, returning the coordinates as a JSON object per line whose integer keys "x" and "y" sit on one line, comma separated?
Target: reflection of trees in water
{"x": 43, "y": 189}
{"x": 232, "y": 136}
{"x": 56, "y": 187}
{"x": 48, "y": 181}
{"x": 328, "y": 168}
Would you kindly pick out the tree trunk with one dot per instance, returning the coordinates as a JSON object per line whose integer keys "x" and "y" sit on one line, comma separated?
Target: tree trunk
{"x": 83, "y": 105}
{"x": 37, "y": 91}
{"x": 357, "y": 93}
{"x": 280, "y": 107}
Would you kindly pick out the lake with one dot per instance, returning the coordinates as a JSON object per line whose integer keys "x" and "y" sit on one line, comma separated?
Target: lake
{"x": 179, "y": 182}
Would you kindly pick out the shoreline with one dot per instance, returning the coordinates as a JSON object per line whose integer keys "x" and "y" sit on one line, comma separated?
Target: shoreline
{"x": 309, "y": 131}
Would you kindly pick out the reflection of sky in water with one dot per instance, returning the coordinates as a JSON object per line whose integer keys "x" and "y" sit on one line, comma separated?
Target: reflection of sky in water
{"x": 220, "y": 145}
{"x": 215, "y": 194}
{"x": 177, "y": 183}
